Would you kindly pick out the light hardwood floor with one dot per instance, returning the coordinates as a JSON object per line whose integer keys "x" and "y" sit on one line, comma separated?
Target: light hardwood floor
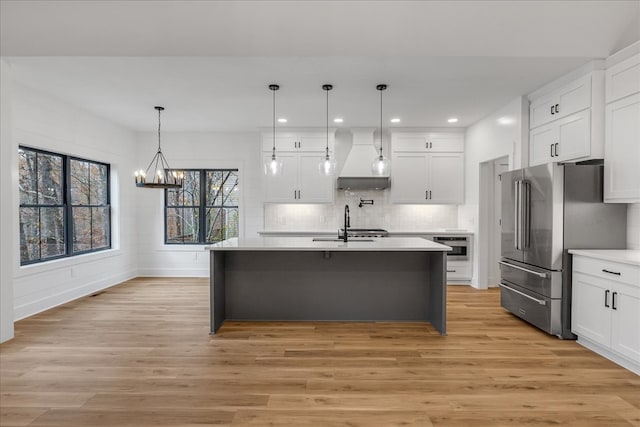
{"x": 139, "y": 354}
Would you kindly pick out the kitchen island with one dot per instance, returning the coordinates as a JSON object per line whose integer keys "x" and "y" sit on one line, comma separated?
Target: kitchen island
{"x": 297, "y": 278}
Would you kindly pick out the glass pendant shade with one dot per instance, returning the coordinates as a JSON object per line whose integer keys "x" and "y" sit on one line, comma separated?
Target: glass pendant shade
{"x": 273, "y": 166}
{"x": 327, "y": 166}
{"x": 380, "y": 166}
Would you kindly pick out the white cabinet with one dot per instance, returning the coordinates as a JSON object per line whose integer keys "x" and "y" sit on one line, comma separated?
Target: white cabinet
{"x": 569, "y": 99}
{"x": 606, "y": 309}
{"x": 566, "y": 123}
{"x": 433, "y": 142}
{"x": 622, "y": 132}
{"x": 299, "y": 141}
{"x": 565, "y": 139}
{"x": 427, "y": 178}
{"x": 301, "y": 180}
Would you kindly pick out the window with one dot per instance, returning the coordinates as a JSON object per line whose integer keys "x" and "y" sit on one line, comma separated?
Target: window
{"x": 64, "y": 206}
{"x": 205, "y": 209}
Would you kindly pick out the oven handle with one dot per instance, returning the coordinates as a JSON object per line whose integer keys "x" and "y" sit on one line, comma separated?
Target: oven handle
{"x": 543, "y": 275}
{"x": 539, "y": 301}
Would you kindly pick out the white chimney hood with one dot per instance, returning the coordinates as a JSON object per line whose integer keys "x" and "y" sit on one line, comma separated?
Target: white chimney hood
{"x": 356, "y": 173}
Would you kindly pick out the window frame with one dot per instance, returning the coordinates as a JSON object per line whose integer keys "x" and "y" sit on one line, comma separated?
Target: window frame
{"x": 67, "y": 207}
{"x": 201, "y": 208}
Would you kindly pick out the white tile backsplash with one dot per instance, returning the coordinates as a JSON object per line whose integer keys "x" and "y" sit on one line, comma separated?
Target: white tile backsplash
{"x": 633, "y": 226}
{"x": 382, "y": 214}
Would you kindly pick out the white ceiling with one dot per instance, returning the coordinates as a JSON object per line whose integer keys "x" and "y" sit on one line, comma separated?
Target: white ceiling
{"x": 209, "y": 63}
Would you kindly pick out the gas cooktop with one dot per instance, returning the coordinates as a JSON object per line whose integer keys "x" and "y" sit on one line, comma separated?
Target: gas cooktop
{"x": 367, "y": 232}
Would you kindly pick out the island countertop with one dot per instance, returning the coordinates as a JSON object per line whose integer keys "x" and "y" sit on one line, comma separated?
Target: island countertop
{"x": 400, "y": 244}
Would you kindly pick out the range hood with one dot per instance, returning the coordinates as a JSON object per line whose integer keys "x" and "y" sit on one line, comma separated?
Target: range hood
{"x": 356, "y": 173}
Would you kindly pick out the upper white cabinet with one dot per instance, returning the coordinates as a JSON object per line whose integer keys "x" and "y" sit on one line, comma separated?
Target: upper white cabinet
{"x": 434, "y": 142}
{"x": 299, "y": 141}
{"x": 427, "y": 168}
{"x": 301, "y": 180}
{"x": 622, "y": 132}
{"x": 569, "y": 99}
{"x": 566, "y": 119}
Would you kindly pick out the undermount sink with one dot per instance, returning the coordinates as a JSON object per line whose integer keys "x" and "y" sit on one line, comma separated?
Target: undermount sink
{"x": 334, "y": 239}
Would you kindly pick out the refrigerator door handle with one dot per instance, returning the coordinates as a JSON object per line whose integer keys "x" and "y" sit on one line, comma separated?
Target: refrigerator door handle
{"x": 517, "y": 267}
{"x": 516, "y": 216}
{"x": 525, "y": 223}
{"x": 539, "y": 301}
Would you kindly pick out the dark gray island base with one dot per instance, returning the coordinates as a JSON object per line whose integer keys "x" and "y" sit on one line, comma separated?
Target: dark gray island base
{"x": 290, "y": 279}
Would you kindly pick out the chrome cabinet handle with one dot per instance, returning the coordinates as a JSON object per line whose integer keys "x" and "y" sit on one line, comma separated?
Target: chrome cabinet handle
{"x": 517, "y": 267}
{"x": 539, "y": 301}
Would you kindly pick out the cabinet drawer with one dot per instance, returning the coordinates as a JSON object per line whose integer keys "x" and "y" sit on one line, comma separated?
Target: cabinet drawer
{"x": 617, "y": 272}
{"x": 536, "y": 309}
{"x": 623, "y": 79}
{"x": 458, "y": 271}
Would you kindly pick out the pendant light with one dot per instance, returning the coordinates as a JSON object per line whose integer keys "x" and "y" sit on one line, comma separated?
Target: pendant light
{"x": 327, "y": 165}
{"x": 273, "y": 166}
{"x": 159, "y": 172}
{"x": 380, "y": 164}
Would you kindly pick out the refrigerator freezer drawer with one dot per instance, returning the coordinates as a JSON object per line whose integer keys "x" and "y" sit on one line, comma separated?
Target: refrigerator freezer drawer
{"x": 536, "y": 309}
{"x": 535, "y": 279}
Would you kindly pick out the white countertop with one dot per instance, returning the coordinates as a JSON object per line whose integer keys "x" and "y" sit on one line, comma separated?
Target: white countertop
{"x": 445, "y": 231}
{"x": 406, "y": 244}
{"x": 625, "y": 256}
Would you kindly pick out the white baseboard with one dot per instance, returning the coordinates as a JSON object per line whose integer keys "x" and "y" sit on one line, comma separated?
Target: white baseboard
{"x": 173, "y": 272}
{"x": 51, "y": 301}
{"x": 608, "y": 354}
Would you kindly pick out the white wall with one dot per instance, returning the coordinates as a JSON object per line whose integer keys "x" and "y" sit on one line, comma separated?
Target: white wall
{"x": 486, "y": 140}
{"x": 8, "y": 169}
{"x": 194, "y": 150}
{"x": 42, "y": 122}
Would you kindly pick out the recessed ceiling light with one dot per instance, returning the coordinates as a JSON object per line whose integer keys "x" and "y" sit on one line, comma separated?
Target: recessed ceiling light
{"x": 338, "y": 120}
{"x": 395, "y": 120}
{"x": 453, "y": 120}
{"x": 506, "y": 120}
{"x": 282, "y": 120}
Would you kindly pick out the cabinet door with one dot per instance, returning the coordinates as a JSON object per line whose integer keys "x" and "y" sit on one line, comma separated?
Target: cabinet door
{"x": 445, "y": 178}
{"x": 282, "y": 188}
{"x": 284, "y": 141}
{"x": 446, "y": 142}
{"x": 623, "y": 79}
{"x": 574, "y": 137}
{"x": 542, "y": 111}
{"x": 590, "y": 318}
{"x": 409, "y": 178}
{"x": 622, "y": 151}
{"x": 314, "y": 187}
{"x": 311, "y": 142}
{"x": 541, "y": 144}
{"x": 573, "y": 97}
{"x": 625, "y": 323}
{"x": 410, "y": 143}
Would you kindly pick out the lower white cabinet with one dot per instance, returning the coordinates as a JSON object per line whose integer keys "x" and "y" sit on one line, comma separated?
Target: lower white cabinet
{"x": 605, "y": 311}
{"x": 300, "y": 181}
{"x": 565, "y": 139}
{"x": 427, "y": 178}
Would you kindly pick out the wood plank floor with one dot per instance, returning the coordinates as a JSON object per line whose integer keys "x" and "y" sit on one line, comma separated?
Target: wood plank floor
{"x": 139, "y": 354}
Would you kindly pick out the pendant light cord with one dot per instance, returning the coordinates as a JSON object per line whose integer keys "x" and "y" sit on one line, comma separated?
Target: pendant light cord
{"x": 273, "y": 152}
{"x": 381, "y": 123}
{"x": 327, "y": 149}
{"x": 159, "y": 149}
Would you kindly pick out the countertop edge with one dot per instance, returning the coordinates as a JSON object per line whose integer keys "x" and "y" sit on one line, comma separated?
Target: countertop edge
{"x": 623, "y": 256}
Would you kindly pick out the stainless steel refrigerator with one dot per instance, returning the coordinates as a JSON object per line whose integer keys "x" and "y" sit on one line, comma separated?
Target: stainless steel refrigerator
{"x": 547, "y": 210}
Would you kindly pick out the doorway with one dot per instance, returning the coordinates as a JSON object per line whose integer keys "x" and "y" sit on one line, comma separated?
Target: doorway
{"x": 489, "y": 230}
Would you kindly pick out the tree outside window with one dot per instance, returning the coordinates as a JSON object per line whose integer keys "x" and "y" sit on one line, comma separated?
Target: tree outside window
{"x": 205, "y": 209}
